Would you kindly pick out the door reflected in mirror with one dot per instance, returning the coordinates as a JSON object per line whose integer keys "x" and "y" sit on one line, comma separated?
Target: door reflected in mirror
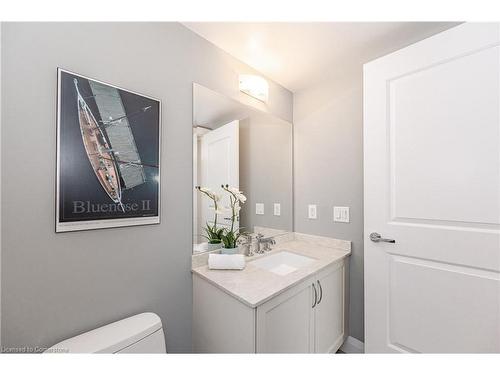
{"x": 242, "y": 171}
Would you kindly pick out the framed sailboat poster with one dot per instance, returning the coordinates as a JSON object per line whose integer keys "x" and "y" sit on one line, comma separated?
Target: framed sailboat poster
{"x": 108, "y": 155}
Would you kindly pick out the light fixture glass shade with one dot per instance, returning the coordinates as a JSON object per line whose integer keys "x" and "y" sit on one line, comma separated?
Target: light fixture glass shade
{"x": 255, "y": 86}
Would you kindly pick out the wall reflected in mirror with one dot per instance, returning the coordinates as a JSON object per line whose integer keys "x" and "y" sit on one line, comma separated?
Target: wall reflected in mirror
{"x": 248, "y": 150}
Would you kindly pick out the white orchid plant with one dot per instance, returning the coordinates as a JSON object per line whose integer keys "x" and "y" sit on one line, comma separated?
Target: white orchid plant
{"x": 213, "y": 234}
{"x": 228, "y": 237}
{"x": 236, "y": 198}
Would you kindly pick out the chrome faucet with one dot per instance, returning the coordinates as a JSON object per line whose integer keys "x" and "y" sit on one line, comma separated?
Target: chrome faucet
{"x": 264, "y": 243}
{"x": 246, "y": 243}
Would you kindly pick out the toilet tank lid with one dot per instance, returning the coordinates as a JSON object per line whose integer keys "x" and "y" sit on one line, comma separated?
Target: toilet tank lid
{"x": 112, "y": 337}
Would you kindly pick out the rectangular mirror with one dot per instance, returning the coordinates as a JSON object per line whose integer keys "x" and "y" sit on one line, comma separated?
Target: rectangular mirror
{"x": 248, "y": 150}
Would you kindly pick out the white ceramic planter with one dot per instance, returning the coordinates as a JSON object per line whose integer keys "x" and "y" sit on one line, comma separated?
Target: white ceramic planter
{"x": 213, "y": 246}
{"x": 234, "y": 250}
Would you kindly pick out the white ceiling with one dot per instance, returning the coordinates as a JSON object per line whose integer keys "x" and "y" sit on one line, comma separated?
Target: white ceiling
{"x": 297, "y": 55}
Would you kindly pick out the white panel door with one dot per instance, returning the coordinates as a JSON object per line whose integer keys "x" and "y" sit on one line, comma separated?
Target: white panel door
{"x": 219, "y": 165}
{"x": 432, "y": 165}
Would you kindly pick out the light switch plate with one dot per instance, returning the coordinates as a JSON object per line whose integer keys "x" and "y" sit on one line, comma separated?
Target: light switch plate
{"x": 277, "y": 209}
{"x": 341, "y": 214}
{"x": 259, "y": 208}
{"x": 312, "y": 212}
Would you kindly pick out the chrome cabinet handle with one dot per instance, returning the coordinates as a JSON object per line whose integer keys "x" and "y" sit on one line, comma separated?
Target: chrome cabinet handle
{"x": 320, "y": 292}
{"x": 315, "y": 295}
{"x": 376, "y": 237}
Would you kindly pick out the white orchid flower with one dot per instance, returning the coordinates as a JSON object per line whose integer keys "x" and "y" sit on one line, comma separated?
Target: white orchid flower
{"x": 236, "y": 198}
{"x": 233, "y": 190}
{"x": 237, "y": 193}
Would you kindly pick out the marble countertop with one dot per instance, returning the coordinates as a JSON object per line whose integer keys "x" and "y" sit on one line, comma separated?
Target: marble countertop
{"x": 254, "y": 286}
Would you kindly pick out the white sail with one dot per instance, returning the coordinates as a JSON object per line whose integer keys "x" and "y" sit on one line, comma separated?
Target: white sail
{"x": 117, "y": 127}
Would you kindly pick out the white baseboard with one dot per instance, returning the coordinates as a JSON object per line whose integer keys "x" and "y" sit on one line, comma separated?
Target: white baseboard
{"x": 353, "y": 346}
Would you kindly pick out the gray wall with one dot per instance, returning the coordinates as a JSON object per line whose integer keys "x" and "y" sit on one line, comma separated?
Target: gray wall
{"x": 328, "y": 171}
{"x": 0, "y": 187}
{"x": 266, "y": 171}
{"x": 328, "y": 151}
{"x": 58, "y": 285}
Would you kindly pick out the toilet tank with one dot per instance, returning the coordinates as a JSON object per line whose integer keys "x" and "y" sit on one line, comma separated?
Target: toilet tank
{"x": 142, "y": 333}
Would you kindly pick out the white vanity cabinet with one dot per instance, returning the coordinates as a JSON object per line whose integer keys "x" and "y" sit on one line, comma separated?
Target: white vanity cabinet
{"x": 308, "y": 318}
{"x": 285, "y": 324}
{"x": 305, "y": 318}
{"x": 329, "y": 311}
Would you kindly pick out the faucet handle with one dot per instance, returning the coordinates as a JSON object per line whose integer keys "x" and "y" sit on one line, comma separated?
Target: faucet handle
{"x": 246, "y": 238}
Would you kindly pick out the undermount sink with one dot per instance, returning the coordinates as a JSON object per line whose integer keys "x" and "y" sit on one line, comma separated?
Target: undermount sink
{"x": 282, "y": 263}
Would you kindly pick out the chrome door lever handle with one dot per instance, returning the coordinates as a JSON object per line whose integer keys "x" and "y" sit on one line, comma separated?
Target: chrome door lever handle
{"x": 376, "y": 237}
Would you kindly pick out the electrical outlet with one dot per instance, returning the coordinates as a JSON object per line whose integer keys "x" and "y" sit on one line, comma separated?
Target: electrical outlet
{"x": 312, "y": 211}
{"x": 341, "y": 214}
{"x": 277, "y": 209}
{"x": 259, "y": 208}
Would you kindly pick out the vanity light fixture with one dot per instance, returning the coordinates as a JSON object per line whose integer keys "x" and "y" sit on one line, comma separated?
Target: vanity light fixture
{"x": 255, "y": 86}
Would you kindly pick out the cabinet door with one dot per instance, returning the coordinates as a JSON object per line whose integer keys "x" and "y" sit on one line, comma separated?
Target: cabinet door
{"x": 329, "y": 311}
{"x": 285, "y": 324}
